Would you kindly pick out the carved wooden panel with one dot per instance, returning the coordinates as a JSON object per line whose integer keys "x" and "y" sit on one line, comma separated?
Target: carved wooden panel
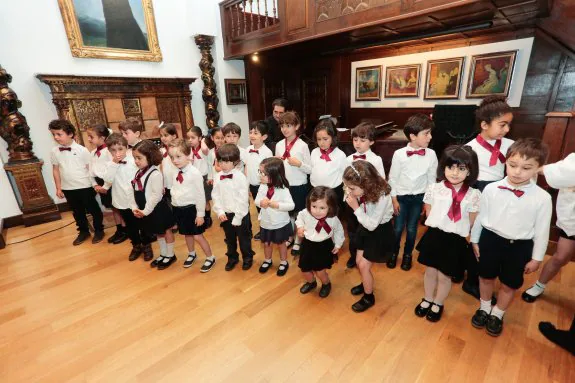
{"x": 331, "y": 9}
{"x": 272, "y": 88}
{"x": 168, "y": 109}
{"x": 314, "y": 94}
{"x": 89, "y": 113}
{"x": 296, "y": 11}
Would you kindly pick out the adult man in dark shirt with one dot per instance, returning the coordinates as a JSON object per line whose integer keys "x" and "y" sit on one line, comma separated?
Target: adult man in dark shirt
{"x": 279, "y": 107}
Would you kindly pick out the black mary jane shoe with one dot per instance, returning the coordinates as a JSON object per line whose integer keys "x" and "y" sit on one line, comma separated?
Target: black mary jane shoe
{"x": 350, "y": 262}
{"x": 325, "y": 290}
{"x": 357, "y": 290}
{"x": 307, "y": 287}
{"x": 421, "y": 311}
{"x": 433, "y": 316}
{"x": 494, "y": 326}
{"x": 479, "y": 319}
{"x": 157, "y": 261}
{"x": 529, "y": 298}
{"x": 363, "y": 304}
{"x": 282, "y": 269}
{"x": 164, "y": 265}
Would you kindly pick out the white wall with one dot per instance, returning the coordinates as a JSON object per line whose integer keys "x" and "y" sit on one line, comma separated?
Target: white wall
{"x": 34, "y": 41}
{"x": 523, "y": 46}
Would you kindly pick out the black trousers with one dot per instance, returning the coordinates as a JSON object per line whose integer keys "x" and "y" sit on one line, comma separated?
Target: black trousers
{"x": 80, "y": 201}
{"x": 254, "y": 192}
{"x": 241, "y": 234}
{"x": 352, "y": 227}
{"x": 134, "y": 228}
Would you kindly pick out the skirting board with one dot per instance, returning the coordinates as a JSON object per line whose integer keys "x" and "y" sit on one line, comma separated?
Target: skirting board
{"x": 17, "y": 220}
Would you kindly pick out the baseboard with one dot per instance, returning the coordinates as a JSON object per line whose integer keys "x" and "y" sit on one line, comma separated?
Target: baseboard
{"x": 18, "y": 220}
{"x": 2, "y": 241}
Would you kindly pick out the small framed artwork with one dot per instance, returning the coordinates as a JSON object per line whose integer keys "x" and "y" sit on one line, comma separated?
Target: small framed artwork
{"x": 490, "y": 74}
{"x": 236, "y": 92}
{"x": 443, "y": 79}
{"x": 402, "y": 80}
{"x": 368, "y": 83}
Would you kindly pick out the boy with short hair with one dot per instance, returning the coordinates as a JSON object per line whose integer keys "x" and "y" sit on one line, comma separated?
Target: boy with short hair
{"x": 413, "y": 168}
{"x": 131, "y": 129}
{"x": 232, "y": 133}
{"x": 510, "y": 235}
{"x": 232, "y": 205}
{"x": 70, "y": 167}
{"x": 363, "y": 137}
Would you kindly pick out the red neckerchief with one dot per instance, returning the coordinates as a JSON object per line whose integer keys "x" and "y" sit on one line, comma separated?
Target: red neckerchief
{"x": 196, "y": 153}
{"x": 322, "y": 224}
{"x": 270, "y": 192}
{"x": 359, "y": 156}
{"x": 325, "y": 154}
{"x": 138, "y": 179}
{"x": 419, "y": 152}
{"x": 99, "y": 149}
{"x": 518, "y": 193}
{"x": 493, "y": 149}
{"x": 166, "y": 151}
{"x": 454, "y": 213}
{"x": 180, "y": 177}
{"x": 363, "y": 202}
{"x": 287, "y": 153}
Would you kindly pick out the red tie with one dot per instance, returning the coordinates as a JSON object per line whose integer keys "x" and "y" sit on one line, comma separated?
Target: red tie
{"x": 359, "y": 157}
{"x": 254, "y": 151}
{"x": 196, "y": 153}
{"x": 363, "y": 202}
{"x": 454, "y": 213}
{"x": 138, "y": 180}
{"x": 287, "y": 153}
{"x": 180, "y": 177}
{"x": 166, "y": 152}
{"x": 493, "y": 149}
{"x": 98, "y": 150}
{"x": 223, "y": 177}
{"x": 518, "y": 193}
{"x": 65, "y": 149}
{"x": 325, "y": 154}
{"x": 420, "y": 152}
{"x": 322, "y": 224}
{"x": 270, "y": 192}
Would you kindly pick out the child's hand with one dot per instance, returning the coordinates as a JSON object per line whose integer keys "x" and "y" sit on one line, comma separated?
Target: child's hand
{"x": 103, "y": 191}
{"x": 223, "y": 218}
{"x": 274, "y": 204}
{"x": 138, "y": 213}
{"x": 475, "y": 247}
{"x": 352, "y": 202}
{"x": 199, "y": 221}
{"x": 217, "y": 167}
{"x": 395, "y": 206}
{"x": 264, "y": 203}
{"x": 300, "y": 231}
{"x": 335, "y": 250}
{"x": 532, "y": 266}
{"x": 294, "y": 162}
{"x": 60, "y": 194}
{"x": 210, "y": 182}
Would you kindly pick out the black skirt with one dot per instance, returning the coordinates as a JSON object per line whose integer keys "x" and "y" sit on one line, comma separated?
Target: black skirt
{"x": 276, "y": 235}
{"x": 106, "y": 199}
{"x": 299, "y": 196}
{"x": 159, "y": 220}
{"x": 443, "y": 251}
{"x": 185, "y": 217}
{"x": 316, "y": 256}
{"x": 377, "y": 245}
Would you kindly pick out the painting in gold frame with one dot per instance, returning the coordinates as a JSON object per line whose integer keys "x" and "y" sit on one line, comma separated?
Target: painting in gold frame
{"x": 111, "y": 29}
{"x": 490, "y": 74}
{"x": 402, "y": 80}
{"x": 368, "y": 83}
{"x": 443, "y": 78}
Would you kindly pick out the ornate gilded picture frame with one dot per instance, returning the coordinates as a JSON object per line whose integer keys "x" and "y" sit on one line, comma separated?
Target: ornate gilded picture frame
{"x": 402, "y": 80}
{"x": 368, "y": 83}
{"x": 491, "y": 74}
{"x": 443, "y": 79}
{"x": 111, "y": 29}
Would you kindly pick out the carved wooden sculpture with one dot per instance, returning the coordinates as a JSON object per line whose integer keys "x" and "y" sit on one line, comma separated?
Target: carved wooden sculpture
{"x": 209, "y": 94}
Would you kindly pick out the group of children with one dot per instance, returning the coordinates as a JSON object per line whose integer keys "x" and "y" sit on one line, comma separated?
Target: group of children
{"x": 485, "y": 189}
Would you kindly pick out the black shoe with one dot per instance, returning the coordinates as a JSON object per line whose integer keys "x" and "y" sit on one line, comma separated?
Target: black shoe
{"x": 307, "y": 287}
{"x": 135, "y": 253}
{"x": 392, "y": 262}
{"x": 208, "y": 221}
{"x": 325, "y": 290}
{"x": 247, "y": 264}
{"x": 148, "y": 252}
{"x": 190, "y": 260}
{"x": 406, "y": 262}
{"x": 98, "y": 237}
{"x": 561, "y": 338}
{"x": 164, "y": 265}
{"x": 529, "y": 298}
{"x": 258, "y": 236}
{"x": 231, "y": 264}
{"x": 82, "y": 236}
{"x": 433, "y": 316}
{"x": 282, "y": 269}
{"x": 479, "y": 319}
{"x": 156, "y": 261}
{"x": 207, "y": 266}
{"x": 363, "y": 304}
{"x": 357, "y": 290}
{"x": 457, "y": 279}
{"x": 265, "y": 267}
{"x": 121, "y": 237}
{"x": 421, "y": 311}
{"x": 494, "y": 326}
{"x": 113, "y": 237}
{"x": 471, "y": 289}
{"x": 350, "y": 262}
{"x": 295, "y": 250}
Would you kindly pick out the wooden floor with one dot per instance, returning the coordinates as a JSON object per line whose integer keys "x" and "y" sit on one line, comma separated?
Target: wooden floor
{"x": 87, "y": 314}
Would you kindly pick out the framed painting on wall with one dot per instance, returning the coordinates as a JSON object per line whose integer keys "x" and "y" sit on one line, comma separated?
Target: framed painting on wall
{"x": 236, "y": 92}
{"x": 402, "y": 80}
{"x": 368, "y": 83}
{"x": 443, "y": 78}
{"x": 490, "y": 74}
{"x": 111, "y": 29}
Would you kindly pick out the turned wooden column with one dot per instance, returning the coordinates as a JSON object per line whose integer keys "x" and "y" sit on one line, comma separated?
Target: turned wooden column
{"x": 209, "y": 93}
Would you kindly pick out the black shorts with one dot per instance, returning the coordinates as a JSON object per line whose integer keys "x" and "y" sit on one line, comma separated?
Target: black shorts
{"x": 563, "y": 234}
{"x": 503, "y": 258}
{"x": 186, "y": 219}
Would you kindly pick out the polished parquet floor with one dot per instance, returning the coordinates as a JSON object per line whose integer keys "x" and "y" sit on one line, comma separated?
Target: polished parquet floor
{"x": 86, "y": 314}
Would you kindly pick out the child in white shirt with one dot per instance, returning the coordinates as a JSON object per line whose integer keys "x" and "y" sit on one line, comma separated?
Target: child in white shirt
{"x": 232, "y": 134}
{"x": 199, "y": 156}
{"x": 168, "y": 133}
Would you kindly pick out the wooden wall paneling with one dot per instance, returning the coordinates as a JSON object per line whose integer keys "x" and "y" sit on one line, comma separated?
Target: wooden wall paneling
{"x": 555, "y": 132}
{"x": 296, "y": 15}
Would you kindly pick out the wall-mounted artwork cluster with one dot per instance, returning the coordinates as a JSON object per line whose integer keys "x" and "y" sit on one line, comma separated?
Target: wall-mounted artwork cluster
{"x": 490, "y": 74}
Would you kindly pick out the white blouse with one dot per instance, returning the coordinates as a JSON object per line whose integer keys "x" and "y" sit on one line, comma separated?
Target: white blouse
{"x": 410, "y": 175}
{"x": 202, "y": 163}
{"x": 120, "y": 176}
{"x": 296, "y": 176}
{"x": 99, "y": 164}
{"x": 190, "y": 191}
{"x": 327, "y": 173}
{"x": 269, "y": 217}
{"x": 168, "y": 169}
{"x": 309, "y": 222}
{"x": 370, "y": 215}
{"x": 370, "y": 157}
{"x": 154, "y": 190}
{"x": 486, "y": 172}
{"x": 561, "y": 175}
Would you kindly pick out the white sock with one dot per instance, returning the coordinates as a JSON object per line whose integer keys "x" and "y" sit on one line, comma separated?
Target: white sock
{"x": 211, "y": 258}
{"x": 170, "y": 247}
{"x": 485, "y": 306}
{"x": 191, "y": 254}
{"x": 537, "y": 289}
{"x": 163, "y": 246}
{"x": 283, "y": 263}
{"x": 425, "y": 304}
{"x": 497, "y": 312}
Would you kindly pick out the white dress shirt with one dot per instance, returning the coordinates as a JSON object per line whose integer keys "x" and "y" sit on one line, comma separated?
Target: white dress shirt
{"x": 486, "y": 172}
{"x": 202, "y": 163}
{"x": 99, "y": 165}
{"x": 327, "y": 173}
{"x": 309, "y": 222}
{"x": 74, "y": 165}
{"x": 296, "y": 176}
{"x": 512, "y": 217}
{"x": 190, "y": 191}
{"x": 269, "y": 217}
{"x": 120, "y": 176}
{"x": 370, "y": 215}
{"x": 154, "y": 190}
{"x": 168, "y": 169}
{"x": 412, "y": 174}
{"x": 440, "y": 198}
{"x": 254, "y": 160}
{"x": 561, "y": 175}
{"x": 370, "y": 157}
{"x": 231, "y": 195}
{"x": 211, "y": 163}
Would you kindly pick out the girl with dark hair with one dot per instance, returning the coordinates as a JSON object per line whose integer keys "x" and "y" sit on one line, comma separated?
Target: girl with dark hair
{"x": 199, "y": 157}
{"x": 275, "y": 201}
{"x": 168, "y": 133}
{"x": 451, "y": 206}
